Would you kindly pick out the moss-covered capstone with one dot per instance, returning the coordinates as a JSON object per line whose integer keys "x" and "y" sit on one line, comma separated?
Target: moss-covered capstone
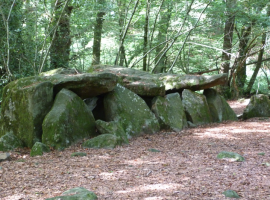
{"x": 196, "y": 107}
{"x": 10, "y": 142}
{"x": 106, "y": 141}
{"x": 24, "y": 105}
{"x": 219, "y": 108}
{"x": 78, "y": 193}
{"x": 85, "y": 85}
{"x": 140, "y": 82}
{"x": 259, "y": 106}
{"x": 68, "y": 121}
{"x": 170, "y": 112}
{"x": 131, "y": 111}
{"x": 151, "y": 85}
{"x": 112, "y": 128}
{"x": 38, "y": 149}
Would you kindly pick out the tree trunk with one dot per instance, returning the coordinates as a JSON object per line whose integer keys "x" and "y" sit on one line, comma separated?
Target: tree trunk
{"x": 227, "y": 43}
{"x": 238, "y": 72}
{"x": 97, "y": 35}
{"x": 122, "y": 16}
{"x": 145, "y": 37}
{"x": 60, "y": 48}
{"x": 258, "y": 66}
{"x": 162, "y": 35}
{"x": 10, "y": 37}
{"x": 124, "y": 33}
{"x": 260, "y": 57}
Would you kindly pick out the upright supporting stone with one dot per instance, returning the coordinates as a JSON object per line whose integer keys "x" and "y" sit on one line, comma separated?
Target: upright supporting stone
{"x": 219, "y": 108}
{"x": 196, "y": 107}
{"x": 68, "y": 121}
{"x": 25, "y": 103}
{"x": 131, "y": 111}
{"x": 170, "y": 112}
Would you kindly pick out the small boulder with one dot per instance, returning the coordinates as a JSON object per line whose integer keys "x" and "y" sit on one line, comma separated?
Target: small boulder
{"x": 38, "y": 149}
{"x": 78, "y": 154}
{"x": 259, "y": 106}
{"x": 78, "y": 193}
{"x": 196, "y": 107}
{"x": 68, "y": 121}
{"x": 112, "y": 128}
{"x": 106, "y": 141}
{"x": 10, "y": 142}
{"x": 131, "y": 111}
{"x": 170, "y": 112}
{"x": 231, "y": 194}
{"x": 4, "y": 156}
{"x": 231, "y": 156}
{"x": 219, "y": 108}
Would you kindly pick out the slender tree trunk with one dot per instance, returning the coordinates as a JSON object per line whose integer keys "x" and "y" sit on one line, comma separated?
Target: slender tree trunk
{"x": 97, "y": 35}
{"x": 260, "y": 58}
{"x": 164, "y": 23}
{"x": 145, "y": 37}
{"x": 124, "y": 33}
{"x": 122, "y": 18}
{"x": 10, "y": 37}
{"x": 258, "y": 66}
{"x": 60, "y": 44}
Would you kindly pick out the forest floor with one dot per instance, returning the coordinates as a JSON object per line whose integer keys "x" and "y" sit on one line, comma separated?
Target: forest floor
{"x": 185, "y": 168}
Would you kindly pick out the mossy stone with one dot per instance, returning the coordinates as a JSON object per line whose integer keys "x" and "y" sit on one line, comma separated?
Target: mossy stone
{"x": 9, "y": 142}
{"x": 107, "y": 141}
{"x": 78, "y": 154}
{"x": 196, "y": 107}
{"x": 231, "y": 194}
{"x": 232, "y": 155}
{"x": 218, "y": 106}
{"x": 112, "y": 128}
{"x": 170, "y": 112}
{"x": 25, "y": 103}
{"x": 38, "y": 149}
{"x": 131, "y": 111}
{"x": 78, "y": 193}
{"x": 69, "y": 121}
{"x": 259, "y": 106}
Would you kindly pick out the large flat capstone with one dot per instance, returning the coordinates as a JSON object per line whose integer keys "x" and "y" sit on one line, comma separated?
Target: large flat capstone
{"x": 146, "y": 84}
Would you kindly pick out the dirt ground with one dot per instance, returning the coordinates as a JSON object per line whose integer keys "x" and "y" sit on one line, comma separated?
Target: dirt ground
{"x": 185, "y": 168}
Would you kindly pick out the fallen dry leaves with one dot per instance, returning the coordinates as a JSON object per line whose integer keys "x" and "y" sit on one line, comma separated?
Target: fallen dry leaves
{"x": 185, "y": 168}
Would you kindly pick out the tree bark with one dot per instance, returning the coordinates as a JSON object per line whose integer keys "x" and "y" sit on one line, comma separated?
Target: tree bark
{"x": 97, "y": 35}
{"x": 145, "y": 37}
{"x": 124, "y": 33}
{"x": 227, "y": 43}
{"x": 60, "y": 48}
{"x": 162, "y": 35}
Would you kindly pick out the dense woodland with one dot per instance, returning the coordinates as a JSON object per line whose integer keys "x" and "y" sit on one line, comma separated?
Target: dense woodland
{"x": 187, "y": 37}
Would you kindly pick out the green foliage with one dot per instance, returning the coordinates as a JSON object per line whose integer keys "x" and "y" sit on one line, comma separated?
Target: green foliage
{"x": 32, "y": 24}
